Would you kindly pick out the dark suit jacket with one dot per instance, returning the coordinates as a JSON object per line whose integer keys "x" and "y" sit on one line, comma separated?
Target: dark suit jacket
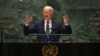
{"x": 57, "y": 28}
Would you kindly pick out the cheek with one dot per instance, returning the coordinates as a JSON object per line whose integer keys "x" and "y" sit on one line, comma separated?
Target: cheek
{"x": 46, "y": 14}
{"x": 49, "y": 15}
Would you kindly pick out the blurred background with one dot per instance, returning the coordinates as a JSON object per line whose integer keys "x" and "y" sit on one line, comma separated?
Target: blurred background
{"x": 84, "y": 18}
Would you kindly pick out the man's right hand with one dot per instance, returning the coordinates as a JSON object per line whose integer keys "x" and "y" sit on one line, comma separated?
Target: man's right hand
{"x": 27, "y": 19}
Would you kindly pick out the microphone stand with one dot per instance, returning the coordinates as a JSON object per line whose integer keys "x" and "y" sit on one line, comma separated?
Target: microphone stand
{"x": 52, "y": 32}
{"x": 48, "y": 34}
{"x": 1, "y": 33}
{"x": 1, "y": 36}
{"x": 54, "y": 35}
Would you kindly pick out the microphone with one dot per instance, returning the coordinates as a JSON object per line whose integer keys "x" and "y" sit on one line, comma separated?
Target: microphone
{"x": 52, "y": 31}
{"x": 48, "y": 34}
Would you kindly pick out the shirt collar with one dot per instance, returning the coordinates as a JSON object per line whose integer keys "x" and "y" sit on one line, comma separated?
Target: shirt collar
{"x": 49, "y": 21}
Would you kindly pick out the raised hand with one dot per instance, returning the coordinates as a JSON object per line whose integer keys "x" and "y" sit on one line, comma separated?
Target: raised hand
{"x": 66, "y": 19}
{"x": 27, "y": 19}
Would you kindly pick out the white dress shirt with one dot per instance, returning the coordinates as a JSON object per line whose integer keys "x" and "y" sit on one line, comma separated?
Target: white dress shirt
{"x": 50, "y": 25}
{"x": 45, "y": 23}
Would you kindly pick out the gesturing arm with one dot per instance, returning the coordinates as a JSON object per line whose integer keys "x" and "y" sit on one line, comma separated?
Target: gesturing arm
{"x": 27, "y": 30}
{"x": 67, "y": 27}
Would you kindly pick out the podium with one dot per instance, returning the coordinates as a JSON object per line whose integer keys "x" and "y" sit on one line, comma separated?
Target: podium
{"x": 63, "y": 41}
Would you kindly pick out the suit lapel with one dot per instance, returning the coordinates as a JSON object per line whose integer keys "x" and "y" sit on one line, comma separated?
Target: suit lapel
{"x": 53, "y": 26}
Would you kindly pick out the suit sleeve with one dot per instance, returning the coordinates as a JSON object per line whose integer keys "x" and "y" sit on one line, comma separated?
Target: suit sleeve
{"x": 27, "y": 30}
{"x": 66, "y": 29}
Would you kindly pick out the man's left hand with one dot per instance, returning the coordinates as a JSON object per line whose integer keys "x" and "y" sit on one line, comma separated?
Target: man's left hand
{"x": 66, "y": 19}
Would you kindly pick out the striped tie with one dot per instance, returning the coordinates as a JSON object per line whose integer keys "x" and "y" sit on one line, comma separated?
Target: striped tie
{"x": 47, "y": 28}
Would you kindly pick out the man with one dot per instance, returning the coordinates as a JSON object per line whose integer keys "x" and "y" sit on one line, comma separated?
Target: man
{"x": 47, "y": 26}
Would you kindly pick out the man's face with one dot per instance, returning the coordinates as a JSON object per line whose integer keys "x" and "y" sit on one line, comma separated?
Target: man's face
{"x": 47, "y": 13}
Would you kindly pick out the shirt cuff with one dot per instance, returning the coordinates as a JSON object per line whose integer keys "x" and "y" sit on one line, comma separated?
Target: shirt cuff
{"x": 66, "y": 24}
{"x": 26, "y": 24}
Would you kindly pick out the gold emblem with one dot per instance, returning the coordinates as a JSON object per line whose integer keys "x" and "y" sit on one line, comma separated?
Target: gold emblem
{"x": 49, "y": 50}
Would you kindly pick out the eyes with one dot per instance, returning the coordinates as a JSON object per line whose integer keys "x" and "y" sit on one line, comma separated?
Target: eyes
{"x": 46, "y": 12}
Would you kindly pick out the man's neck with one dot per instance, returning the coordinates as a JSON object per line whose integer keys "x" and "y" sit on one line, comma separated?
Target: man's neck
{"x": 48, "y": 20}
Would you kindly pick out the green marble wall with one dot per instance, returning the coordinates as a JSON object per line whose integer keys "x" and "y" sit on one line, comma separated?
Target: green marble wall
{"x": 77, "y": 10}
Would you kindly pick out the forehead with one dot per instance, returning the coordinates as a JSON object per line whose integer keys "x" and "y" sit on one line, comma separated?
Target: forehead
{"x": 47, "y": 8}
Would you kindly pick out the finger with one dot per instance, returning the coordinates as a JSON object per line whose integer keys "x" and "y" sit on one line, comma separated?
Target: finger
{"x": 30, "y": 18}
{"x": 26, "y": 20}
{"x": 27, "y": 17}
{"x": 63, "y": 16}
{"x": 66, "y": 17}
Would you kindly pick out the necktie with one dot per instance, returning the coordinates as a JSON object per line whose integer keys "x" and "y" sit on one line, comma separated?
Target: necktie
{"x": 47, "y": 28}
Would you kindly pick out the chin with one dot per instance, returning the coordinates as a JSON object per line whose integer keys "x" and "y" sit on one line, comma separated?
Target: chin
{"x": 47, "y": 19}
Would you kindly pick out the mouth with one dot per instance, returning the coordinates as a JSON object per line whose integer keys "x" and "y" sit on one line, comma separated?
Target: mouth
{"x": 46, "y": 16}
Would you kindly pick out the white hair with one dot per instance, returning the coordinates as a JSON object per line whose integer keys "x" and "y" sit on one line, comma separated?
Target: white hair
{"x": 49, "y": 7}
